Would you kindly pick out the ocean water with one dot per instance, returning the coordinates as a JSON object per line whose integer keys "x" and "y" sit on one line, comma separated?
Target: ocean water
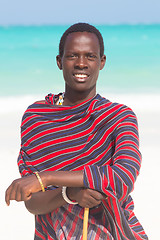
{"x": 28, "y": 60}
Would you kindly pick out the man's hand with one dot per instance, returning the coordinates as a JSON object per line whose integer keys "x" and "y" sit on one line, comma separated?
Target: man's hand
{"x": 85, "y": 197}
{"x": 21, "y": 189}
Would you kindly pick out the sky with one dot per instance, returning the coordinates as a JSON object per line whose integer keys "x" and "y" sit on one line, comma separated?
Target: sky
{"x": 51, "y": 12}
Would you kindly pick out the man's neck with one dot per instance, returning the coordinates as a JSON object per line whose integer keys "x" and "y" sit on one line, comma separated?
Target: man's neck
{"x": 74, "y": 98}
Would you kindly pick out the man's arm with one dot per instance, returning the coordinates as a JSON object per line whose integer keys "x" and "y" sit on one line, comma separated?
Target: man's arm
{"x": 45, "y": 202}
{"x": 28, "y": 189}
{"x": 117, "y": 179}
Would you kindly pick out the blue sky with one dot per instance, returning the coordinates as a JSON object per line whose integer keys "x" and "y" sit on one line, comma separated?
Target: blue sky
{"x": 37, "y": 12}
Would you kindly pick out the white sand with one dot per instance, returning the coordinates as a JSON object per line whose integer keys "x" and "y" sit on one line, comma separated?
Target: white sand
{"x": 18, "y": 224}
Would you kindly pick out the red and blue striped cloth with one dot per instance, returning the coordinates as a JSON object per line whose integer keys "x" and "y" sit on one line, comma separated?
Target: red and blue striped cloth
{"x": 98, "y": 137}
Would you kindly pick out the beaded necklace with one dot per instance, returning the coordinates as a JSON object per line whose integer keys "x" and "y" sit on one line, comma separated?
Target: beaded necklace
{"x": 60, "y": 99}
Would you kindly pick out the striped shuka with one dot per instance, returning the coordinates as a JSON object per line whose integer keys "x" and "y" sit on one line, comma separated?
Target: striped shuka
{"x": 98, "y": 137}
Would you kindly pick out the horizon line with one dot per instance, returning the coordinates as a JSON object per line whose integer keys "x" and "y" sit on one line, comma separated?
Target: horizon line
{"x": 68, "y": 24}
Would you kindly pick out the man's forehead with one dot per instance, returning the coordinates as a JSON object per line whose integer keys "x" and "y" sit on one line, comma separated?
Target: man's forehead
{"x": 81, "y": 35}
{"x": 81, "y": 38}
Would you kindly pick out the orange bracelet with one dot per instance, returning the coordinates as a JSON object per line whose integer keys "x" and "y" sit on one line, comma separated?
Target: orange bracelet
{"x": 40, "y": 181}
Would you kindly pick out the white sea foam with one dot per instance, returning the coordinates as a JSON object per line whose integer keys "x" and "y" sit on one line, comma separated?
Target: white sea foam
{"x": 138, "y": 102}
{"x": 17, "y": 103}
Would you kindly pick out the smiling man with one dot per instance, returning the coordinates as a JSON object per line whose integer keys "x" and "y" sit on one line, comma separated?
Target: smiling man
{"x": 79, "y": 150}
{"x": 81, "y": 62}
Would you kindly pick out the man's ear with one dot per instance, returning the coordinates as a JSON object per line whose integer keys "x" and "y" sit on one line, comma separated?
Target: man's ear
{"x": 103, "y": 61}
{"x": 59, "y": 62}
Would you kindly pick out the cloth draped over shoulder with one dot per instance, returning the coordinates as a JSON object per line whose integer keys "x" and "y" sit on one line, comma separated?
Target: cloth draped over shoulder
{"x": 98, "y": 137}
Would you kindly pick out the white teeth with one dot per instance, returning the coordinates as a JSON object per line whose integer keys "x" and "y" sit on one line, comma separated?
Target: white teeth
{"x": 81, "y": 75}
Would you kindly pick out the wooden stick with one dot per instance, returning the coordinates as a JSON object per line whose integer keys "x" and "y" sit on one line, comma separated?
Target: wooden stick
{"x": 85, "y": 223}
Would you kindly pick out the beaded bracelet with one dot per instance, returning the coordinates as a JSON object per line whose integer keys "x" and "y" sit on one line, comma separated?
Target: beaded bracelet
{"x": 40, "y": 181}
{"x": 65, "y": 197}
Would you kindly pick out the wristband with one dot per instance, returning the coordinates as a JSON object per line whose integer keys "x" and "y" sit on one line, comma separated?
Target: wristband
{"x": 40, "y": 181}
{"x": 65, "y": 197}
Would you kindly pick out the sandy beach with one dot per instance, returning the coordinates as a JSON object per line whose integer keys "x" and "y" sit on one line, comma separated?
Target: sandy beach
{"x": 18, "y": 224}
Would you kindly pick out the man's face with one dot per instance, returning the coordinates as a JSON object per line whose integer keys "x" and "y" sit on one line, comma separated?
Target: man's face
{"x": 81, "y": 61}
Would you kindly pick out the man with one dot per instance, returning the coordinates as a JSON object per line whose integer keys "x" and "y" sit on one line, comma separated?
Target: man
{"x": 83, "y": 142}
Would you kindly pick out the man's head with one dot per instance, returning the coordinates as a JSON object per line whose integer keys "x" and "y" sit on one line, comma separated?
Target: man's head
{"x": 81, "y": 27}
{"x": 81, "y": 58}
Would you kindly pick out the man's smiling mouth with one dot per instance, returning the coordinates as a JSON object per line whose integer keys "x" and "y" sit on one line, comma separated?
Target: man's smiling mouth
{"x": 81, "y": 76}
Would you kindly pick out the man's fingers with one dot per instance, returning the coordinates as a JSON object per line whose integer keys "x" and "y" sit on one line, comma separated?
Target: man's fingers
{"x": 91, "y": 198}
{"x": 7, "y": 195}
{"x": 92, "y": 204}
{"x": 21, "y": 189}
{"x": 95, "y": 194}
{"x": 25, "y": 195}
{"x": 16, "y": 192}
{"x": 92, "y": 201}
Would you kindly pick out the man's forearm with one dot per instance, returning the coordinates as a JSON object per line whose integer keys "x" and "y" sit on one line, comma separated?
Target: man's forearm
{"x": 22, "y": 189}
{"x": 45, "y": 202}
{"x": 62, "y": 178}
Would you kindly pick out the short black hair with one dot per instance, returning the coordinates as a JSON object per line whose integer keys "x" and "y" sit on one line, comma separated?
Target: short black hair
{"x": 81, "y": 27}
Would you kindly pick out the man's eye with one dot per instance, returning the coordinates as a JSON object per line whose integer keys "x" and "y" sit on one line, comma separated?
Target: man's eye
{"x": 71, "y": 56}
{"x": 91, "y": 56}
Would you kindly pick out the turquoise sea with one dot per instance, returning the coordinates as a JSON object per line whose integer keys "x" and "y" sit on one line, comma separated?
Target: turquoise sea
{"x": 28, "y": 66}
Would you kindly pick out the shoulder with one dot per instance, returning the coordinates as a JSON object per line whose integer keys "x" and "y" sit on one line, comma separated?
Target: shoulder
{"x": 114, "y": 108}
{"x": 32, "y": 111}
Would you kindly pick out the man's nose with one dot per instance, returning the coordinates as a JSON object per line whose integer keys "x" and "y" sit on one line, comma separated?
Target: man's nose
{"x": 81, "y": 62}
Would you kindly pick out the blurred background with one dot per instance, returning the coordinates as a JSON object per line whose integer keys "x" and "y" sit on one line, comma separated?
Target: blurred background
{"x": 29, "y": 38}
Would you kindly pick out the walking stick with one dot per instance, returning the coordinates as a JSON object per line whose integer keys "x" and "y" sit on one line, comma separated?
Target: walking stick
{"x": 85, "y": 223}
